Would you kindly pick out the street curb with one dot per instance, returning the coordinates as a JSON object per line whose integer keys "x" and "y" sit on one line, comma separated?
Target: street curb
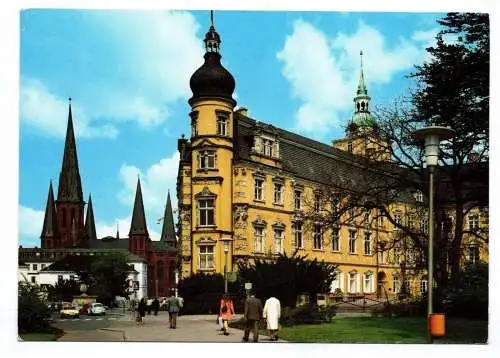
{"x": 115, "y": 330}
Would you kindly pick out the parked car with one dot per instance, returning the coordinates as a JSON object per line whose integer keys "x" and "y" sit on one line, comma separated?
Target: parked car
{"x": 96, "y": 309}
{"x": 69, "y": 311}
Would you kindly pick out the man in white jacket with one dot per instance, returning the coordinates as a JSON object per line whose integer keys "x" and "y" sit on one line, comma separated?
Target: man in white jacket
{"x": 272, "y": 312}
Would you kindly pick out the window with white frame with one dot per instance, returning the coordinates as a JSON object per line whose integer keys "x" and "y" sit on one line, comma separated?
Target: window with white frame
{"x": 317, "y": 202}
{"x": 381, "y": 216}
{"x": 259, "y": 189}
{"x": 298, "y": 199}
{"x": 222, "y": 125}
{"x": 397, "y": 219}
{"x": 397, "y": 254}
{"x": 352, "y": 241}
{"x": 206, "y": 257}
{"x": 473, "y": 220}
{"x": 424, "y": 225}
{"x": 349, "y": 146}
{"x": 382, "y": 256}
{"x": 279, "y": 236}
{"x": 419, "y": 196}
{"x": 368, "y": 282}
{"x": 396, "y": 284}
{"x": 297, "y": 235}
{"x": 335, "y": 239}
{"x": 353, "y": 282}
{"x": 337, "y": 283}
{"x": 268, "y": 147}
{"x": 278, "y": 193}
{"x": 423, "y": 286}
{"x": 473, "y": 254}
{"x": 411, "y": 221}
{"x": 258, "y": 236}
{"x": 206, "y": 212}
{"x": 367, "y": 219}
{"x": 35, "y": 267}
{"x": 207, "y": 159}
{"x": 318, "y": 237}
{"x": 368, "y": 243}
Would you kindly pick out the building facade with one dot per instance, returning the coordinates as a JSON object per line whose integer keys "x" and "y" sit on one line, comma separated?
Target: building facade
{"x": 244, "y": 185}
{"x": 67, "y": 233}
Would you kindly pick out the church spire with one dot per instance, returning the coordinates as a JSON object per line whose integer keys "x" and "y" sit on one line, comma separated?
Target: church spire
{"x": 168, "y": 230}
{"x": 70, "y": 185}
{"x": 361, "y": 116}
{"x": 50, "y": 229}
{"x": 138, "y": 225}
{"x": 361, "y": 85}
{"x": 90, "y": 230}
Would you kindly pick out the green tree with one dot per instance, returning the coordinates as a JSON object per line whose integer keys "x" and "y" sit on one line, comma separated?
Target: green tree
{"x": 63, "y": 290}
{"x": 32, "y": 312}
{"x": 286, "y": 277}
{"x": 107, "y": 276}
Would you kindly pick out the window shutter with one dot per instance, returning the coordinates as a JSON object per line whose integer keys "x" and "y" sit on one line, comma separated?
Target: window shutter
{"x": 358, "y": 283}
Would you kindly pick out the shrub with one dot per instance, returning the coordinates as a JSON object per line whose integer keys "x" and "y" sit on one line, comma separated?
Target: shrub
{"x": 33, "y": 313}
{"x": 307, "y": 314}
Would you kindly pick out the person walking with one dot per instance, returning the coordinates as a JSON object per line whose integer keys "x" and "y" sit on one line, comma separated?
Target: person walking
{"x": 156, "y": 306}
{"x": 149, "y": 305}
{"x": 141, "y": 311}
{"x": 252, "y": 316}
{"x": 226, "y": 312}
{"x": 173, "y": 306}
{"x": 272, "y": 313}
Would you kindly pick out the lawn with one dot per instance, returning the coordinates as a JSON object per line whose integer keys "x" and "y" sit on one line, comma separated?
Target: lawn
{"x": 384, "y": 330}
{"x": 49, "y": 335}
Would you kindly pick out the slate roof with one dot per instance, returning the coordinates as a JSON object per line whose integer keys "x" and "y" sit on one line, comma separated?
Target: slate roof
{"x": 304, "y": 157}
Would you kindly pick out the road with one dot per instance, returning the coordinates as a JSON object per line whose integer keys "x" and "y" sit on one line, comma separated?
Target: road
{"x": 86, "y": 323}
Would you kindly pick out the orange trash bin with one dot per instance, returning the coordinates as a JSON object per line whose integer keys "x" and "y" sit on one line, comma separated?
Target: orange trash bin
{"x": 437, "y": 325}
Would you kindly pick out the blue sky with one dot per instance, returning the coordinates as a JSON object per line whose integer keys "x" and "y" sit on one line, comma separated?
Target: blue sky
{"x": 128, "y": 74}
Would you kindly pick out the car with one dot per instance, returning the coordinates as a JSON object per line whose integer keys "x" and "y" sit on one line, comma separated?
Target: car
{"x": 96, "y": 309}
{"x": 69, "y": 311}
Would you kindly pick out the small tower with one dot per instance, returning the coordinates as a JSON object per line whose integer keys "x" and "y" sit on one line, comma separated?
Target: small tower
{"x": 70, "y": 204}
{"x": 138, "y": 235}
{"x": 90, "y": 230}
{"x": 211, "y": 147}
{"x": 50, "y": 232}
{"x": 362, "y": 134}
{"x": 168, "y": 231}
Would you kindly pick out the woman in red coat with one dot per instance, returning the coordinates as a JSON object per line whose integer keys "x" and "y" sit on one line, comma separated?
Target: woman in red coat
{"x": 226, "y": 312}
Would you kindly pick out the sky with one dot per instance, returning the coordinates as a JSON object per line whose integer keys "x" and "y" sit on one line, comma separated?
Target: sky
{"x": 127, "y": 72}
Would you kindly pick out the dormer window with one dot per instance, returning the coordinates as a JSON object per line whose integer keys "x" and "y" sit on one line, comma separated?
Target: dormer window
{"x": 207, "y": 159}
{"x": 266, "y": 145}
{"x": 419, "y": 196}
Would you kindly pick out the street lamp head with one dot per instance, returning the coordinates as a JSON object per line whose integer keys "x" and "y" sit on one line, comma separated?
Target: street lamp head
{"x": 431, "y": 137}
{"x": 226, "y": 241}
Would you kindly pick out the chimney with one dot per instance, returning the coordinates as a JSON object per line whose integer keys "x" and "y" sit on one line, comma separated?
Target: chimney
{"x": 243, "y": 111}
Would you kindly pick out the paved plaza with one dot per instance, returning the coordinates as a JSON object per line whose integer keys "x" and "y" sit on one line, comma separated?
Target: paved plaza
{"x": 190, "y": 328}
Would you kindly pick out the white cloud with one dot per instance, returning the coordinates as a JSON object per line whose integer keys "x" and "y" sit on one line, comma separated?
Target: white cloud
{"x": 323, "y": 72}
{"x": 153, "y": 56}
{"x": 104, "y": 229}
{"x": 156, "y": 180}
{"x": 49, "y": 113}
{"x": 30, "y": 225}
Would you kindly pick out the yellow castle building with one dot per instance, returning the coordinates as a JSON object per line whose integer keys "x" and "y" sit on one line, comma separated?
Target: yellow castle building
{"x": 242, "y": 187}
